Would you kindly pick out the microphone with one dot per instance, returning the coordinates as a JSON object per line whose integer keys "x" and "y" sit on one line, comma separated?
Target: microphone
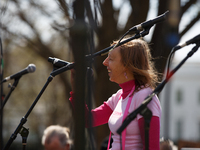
{"x": 31, "y": 68}
{"x": 149, "y": 23}
{"x": 191, "y": 41}
{"x": 57, "y": 62}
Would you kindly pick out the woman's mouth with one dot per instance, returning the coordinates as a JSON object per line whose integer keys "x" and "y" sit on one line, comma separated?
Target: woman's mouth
{"x": 109, "y": 71}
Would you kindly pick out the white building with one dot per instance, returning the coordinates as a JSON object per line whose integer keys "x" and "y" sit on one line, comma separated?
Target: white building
{"x": 180, "y": 100}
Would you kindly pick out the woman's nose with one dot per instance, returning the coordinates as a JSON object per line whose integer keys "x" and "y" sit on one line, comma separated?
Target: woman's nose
{"x": 105, "y": 62}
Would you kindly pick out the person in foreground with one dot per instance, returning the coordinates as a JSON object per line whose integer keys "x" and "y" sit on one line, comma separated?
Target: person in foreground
{"x": 130, "y": 66}
{"x": 56, "y": 137}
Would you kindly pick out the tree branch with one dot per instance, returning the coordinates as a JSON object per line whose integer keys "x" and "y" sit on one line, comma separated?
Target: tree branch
{"x": 190, "y": 25}
{"x": 187, "y": 6}
{"x": 137, "y": 15}
{"x": 64, "y": 7}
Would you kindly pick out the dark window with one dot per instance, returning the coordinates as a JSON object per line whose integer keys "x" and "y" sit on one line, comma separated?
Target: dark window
{"x": 179, "y": 96}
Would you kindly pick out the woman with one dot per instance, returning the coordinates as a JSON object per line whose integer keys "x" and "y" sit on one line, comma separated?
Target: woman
{"x": 129, "y": 65}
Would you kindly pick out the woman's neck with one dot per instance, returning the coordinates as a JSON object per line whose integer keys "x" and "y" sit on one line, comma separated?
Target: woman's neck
{"x": 127, "y": 87}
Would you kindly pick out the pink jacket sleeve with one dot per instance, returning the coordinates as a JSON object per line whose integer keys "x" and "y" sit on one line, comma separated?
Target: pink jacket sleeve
{"x": 154, "y": 133}
{"x": 100, "y": 115}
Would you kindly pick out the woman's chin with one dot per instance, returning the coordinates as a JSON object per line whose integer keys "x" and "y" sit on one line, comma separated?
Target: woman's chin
{"x": 112, "y": 80}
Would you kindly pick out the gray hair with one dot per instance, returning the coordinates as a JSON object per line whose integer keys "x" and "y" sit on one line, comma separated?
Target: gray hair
{"x": 57, "y": 131}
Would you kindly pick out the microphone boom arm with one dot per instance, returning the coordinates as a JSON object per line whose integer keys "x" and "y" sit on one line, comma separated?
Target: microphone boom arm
{"x": 106, "y": 50}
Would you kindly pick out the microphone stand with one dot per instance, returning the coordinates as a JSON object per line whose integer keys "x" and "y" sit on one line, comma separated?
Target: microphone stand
{"x": 24, "y": 133}
{"x": 147, "y": 114}
{"x": 22, "y": 130}
{"x": 12, "y": 88}
{"x": 143, "y": 107}
{"x": 1, "y": 94}
{"x": 89, "y": 85}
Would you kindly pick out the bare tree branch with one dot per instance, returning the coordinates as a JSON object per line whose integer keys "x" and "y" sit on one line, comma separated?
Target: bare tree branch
{"x": 186, "y": 6}
{"x": 64, "y": 7}
{"x": 190, "y": 24}
{"x": 138, "y": 15}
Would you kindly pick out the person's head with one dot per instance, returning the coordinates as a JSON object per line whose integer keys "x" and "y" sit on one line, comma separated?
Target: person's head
{"x": 165, "y": 144}
{"x": 129, "y": 61}
{"x": 56, "y": 137}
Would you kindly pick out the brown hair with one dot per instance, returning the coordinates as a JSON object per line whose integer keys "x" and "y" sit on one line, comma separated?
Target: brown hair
{"x": 137, "y": 58}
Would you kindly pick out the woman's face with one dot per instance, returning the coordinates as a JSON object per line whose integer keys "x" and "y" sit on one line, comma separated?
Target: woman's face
{"x": 115, "y": 67}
